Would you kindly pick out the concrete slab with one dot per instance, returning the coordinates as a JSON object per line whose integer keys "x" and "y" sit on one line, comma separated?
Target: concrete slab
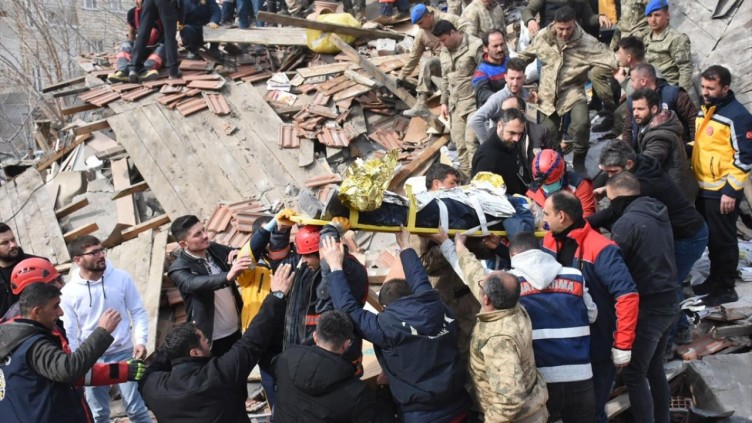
{"x": 723, "y": 382}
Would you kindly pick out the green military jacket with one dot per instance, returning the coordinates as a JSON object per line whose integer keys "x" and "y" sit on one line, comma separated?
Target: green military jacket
{"x": 507, "y": 384}
{"x": 482, "y": 19}
{"x": 425, "y": 40}
{"x": 565, "y": 70}
{"x": 670, "y": 52}
{"x": 457, "y": 68}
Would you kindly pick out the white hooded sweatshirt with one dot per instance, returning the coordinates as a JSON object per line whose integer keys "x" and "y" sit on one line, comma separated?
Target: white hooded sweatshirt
{"x": 83, "y": 303}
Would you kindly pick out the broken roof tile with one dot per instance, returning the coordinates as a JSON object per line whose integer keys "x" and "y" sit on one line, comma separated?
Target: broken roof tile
{"x": 218, "y": 104}
{"x": 137, "y": 94}
{"x": 191, "y": 106}
{"x": 288, "y": 138}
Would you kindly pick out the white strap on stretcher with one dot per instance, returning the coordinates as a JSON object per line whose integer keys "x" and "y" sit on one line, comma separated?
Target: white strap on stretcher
{"x": 481, "y": 216}
{"x": 443, "y": 214}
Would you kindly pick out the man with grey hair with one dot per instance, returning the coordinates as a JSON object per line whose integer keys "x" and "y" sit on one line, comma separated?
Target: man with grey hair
{"x": 508, "y": 386}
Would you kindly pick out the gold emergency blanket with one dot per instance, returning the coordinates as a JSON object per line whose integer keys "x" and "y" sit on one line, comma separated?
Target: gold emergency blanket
{"x": 365, "y": 182}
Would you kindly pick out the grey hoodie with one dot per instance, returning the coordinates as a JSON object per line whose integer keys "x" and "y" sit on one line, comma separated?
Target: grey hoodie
{"x": 540, "y": 269}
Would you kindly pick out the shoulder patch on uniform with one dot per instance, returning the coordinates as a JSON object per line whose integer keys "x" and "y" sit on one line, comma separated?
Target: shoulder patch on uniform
{"x": 749, "y": 135}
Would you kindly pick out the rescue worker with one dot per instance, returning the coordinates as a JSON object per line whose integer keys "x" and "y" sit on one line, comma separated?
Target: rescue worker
{"x": 10, "y": 255}
{"x": 630, "y": 53}
{"x": 585, "y": 16}
{"x": 507, "y": 384}
{"x": 568, "y": 53}
{"x": 721, "y": 159}
{"x": 501, "y": 154}
{"x": 490, "y": 76}
{"x": 310, "y": 295}
{"x": 38, "y": 270}
{"x": 668, "y": 50}
{"x": 426, "y": 17}
{"x": 38, "y": 376}
{"x": 154, "y": 45}
{"x": 459, "y": 57}
{"x": 483, "y": 16}
{"x": 164, "y": 11}
{"x": 550, "y": 174}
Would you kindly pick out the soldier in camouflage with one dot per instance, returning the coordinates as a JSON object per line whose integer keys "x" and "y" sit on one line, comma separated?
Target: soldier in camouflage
{"x": 668, "y": 50}
{"x": 508, "y": 386}
{"x": 483, "y": 16}
{"x": 632, "y": 22}
{"x": 568, "y": 54}
{"x": 459, "y": 57}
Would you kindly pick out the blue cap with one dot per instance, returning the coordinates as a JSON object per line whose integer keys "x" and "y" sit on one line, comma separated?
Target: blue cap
{"x": 418, "y": 12}
{"x": 654, "y": 5}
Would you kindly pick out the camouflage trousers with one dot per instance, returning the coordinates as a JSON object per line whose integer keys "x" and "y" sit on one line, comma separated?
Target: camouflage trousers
{"x": 464, "y": 138}
{"x": 428, "y": 67}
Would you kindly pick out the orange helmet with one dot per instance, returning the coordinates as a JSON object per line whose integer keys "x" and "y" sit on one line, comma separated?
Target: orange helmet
{"x": 548, "y": 167}
{"x": 307, "y": 239}
{"x": 30, "y": 271}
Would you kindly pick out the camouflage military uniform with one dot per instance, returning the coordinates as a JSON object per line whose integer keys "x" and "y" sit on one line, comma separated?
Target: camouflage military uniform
{"x": 454, "y": 293}
{"x": 429, "y": 65}
{"x": 632, "y": 22}
{"x": 670, "y": 52}
{"x": 563, "y": 76}
{"x": 454, "y": 7}
{"x": 457, "y": 68}
{"x": 507, "y": 384}
{"x": 482, "y": 19}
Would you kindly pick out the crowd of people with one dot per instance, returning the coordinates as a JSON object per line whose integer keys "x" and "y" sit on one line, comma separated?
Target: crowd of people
{"x": 512, "y": 329}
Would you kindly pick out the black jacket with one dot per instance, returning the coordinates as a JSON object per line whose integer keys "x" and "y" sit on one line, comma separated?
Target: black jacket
{"x": 210, "y": 389}
{"x": 7, "y": 298}
{"x": 492, "y": 157}
{"x": 686, "y": 221}
{"x": 644, "y": 235}
{"x": 318, "y": 386}
{"x": 197, "y": 286}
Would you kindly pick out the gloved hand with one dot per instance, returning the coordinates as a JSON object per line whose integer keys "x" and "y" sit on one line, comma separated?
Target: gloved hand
{"x": 136, "y": 370}
{"x": 621, "y": 358}
{"x": 342, "y": 223}
{"x": 283, "y": 217}
{"x": 212, "y": 25}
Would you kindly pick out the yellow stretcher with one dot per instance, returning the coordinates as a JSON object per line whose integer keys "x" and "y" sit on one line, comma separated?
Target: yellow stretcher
{"x": 412, "y": 212}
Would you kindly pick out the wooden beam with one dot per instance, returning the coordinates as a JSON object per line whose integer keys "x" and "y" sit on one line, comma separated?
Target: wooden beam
{"x": 360, "y": 79}
{"x": 327, "y": 27}
{"x": 71, "y": 208}
{"x": 80, "y": 231}
{"x": 111, "y": 152}
{"x": 64, "y": 84}
{"x": 47, "y": 162}
{"x": 138, "y": 187}
{"x": 91, "y": 127}
{"x": 427, "y": 154}
{"x": 78, "y": 109}
{"x": 124, "y": 204}
{"x": 156, "y": 222}
{"x": 72, "y": 91}
{"x": 262, "y": 36}
{"x": 41, "y": 142}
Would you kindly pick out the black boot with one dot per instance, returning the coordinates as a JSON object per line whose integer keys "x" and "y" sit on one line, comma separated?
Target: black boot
{"x": 578, "y": 162}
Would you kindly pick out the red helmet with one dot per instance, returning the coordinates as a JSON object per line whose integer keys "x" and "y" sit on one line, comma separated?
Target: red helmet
{"x": 30, "y": 271}
{"x": 548, "y": 167}
{"x": 307, "y": 239}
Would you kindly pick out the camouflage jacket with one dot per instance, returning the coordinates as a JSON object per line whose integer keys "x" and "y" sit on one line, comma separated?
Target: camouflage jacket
{"x": 671, "y": 54}
{"x": 457, "y": 68}
{"x": 633, "y": 21}
{"x": 565, "y": 70}
{"x": 502, "y": 365}
{"x": 482, "y": 19}
{"x": 425, "y": 40}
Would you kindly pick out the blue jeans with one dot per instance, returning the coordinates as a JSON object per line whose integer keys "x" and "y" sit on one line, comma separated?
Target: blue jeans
{"x": 644, "y": 376}
{"x": 257, "y": 5}
{"x": 687, "y": 251}
{"x": 244, "y": 9}
{"x": 98, "y": 397}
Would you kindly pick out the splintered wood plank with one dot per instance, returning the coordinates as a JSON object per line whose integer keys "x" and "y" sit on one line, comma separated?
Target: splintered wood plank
{"x": 120, "y": 180}
{"x": 328, "y": 27}
{"x": 131, "y": 189}
{"x": 405, "y": 172}
{"x": 147, "y": 162}
{"x": 87, "y": 229}
{"x": 261, "y": 36}
{"x": 153, "y": 223}
{"x": 71, "y": 208}
{"x": 151, "y": 293}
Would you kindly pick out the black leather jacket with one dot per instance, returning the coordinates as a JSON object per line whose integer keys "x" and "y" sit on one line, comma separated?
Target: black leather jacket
{"x": 197, "y": 286}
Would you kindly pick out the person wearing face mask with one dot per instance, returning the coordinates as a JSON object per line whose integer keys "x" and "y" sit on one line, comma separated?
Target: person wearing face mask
{"x": 550, "y": 175}
{"x": 721, "y": 159}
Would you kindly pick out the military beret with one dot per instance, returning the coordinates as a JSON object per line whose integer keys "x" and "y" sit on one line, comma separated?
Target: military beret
{"x": 654, "y": 5}
{"x": 418, "y": 12}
